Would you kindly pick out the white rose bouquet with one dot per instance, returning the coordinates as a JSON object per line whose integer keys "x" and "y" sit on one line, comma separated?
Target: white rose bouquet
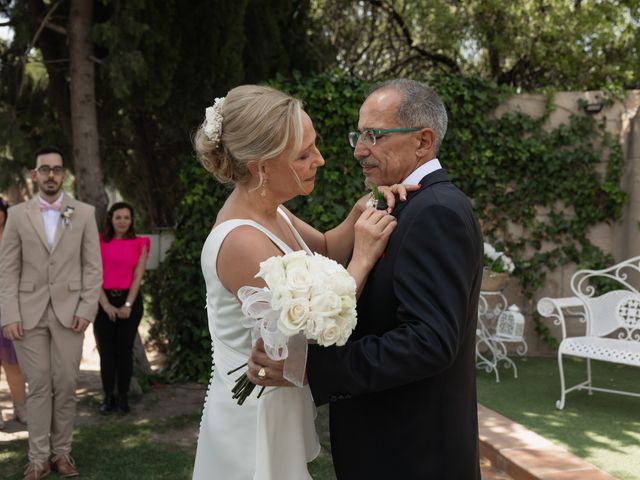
{"x": 497, "y": 261}
{"x": 306, "y": 298}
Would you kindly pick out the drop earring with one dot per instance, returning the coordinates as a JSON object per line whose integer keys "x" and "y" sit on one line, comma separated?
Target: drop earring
{"x": 263, "y": 190}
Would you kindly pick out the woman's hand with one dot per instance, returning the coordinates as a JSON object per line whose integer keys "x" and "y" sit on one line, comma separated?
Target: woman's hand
{"x": 372, "y": 231}
{"x": 390, "y": 194}
{"x": 397, "y": 190}
{"x": 111, "y": 311}
{"x": 124, "y": 312}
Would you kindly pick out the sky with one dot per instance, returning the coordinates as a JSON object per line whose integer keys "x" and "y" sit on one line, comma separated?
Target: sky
{"x": 6, "y": 33}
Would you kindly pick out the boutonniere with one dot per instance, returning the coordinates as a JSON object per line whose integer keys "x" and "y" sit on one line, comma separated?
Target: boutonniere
{"x": 377, "y": 200}
{"x": 66, "y": 215}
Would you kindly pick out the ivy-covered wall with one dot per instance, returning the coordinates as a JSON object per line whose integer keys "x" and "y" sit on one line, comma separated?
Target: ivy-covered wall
{"x": 510, "y": 165}
{"x": 620, "y": 118}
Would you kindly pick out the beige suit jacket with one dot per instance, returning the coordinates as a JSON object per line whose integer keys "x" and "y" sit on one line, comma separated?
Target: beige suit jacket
{"x": 69, "y": 274}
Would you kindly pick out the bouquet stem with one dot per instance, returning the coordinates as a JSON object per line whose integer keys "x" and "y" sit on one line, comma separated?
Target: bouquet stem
{"x": 243, "y": 387}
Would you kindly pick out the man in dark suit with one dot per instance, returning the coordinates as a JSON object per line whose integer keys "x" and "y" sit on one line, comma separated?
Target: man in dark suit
{"x": 402, "y": 392}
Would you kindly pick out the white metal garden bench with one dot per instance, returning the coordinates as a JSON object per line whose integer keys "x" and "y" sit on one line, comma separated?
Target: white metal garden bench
{"x": 612, "y": 321}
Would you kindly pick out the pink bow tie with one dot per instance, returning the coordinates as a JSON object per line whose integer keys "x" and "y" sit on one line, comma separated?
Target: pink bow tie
{"x": 46, "y": 206}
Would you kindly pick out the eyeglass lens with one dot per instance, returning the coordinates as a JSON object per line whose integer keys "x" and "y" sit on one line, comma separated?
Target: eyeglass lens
{"x": 46, "y": 170}
{"x": 367, "y": 138}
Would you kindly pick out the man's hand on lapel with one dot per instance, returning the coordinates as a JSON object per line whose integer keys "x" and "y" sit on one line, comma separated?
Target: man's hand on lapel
{"x": 79, "y": 324}
{"x": 13, "y": 331}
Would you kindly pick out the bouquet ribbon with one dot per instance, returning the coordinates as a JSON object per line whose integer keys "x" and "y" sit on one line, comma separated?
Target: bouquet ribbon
{"x": 263, "y": 322}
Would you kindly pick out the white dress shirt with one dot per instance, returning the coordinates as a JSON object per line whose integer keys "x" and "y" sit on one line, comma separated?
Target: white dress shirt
{"x": 50, "y": 219}
{"x": 423, "y": 170}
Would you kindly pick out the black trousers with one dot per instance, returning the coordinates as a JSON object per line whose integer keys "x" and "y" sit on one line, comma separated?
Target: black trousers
{"x": 115, "y": 342}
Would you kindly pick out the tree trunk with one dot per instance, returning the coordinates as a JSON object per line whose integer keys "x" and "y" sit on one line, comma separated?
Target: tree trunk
{"x": 53, "y": 46}
{"x": 84, "y": 122}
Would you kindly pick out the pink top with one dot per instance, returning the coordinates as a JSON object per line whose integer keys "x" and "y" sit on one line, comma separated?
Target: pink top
{"x": 119, "y": 259}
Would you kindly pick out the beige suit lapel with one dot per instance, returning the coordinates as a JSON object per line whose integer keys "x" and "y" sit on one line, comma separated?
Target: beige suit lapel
{"x": 62, "y": 227}
{"x": 35, "y": 217}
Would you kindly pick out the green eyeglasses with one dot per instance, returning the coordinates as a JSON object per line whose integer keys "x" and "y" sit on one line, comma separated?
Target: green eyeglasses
{"x": 370, "y": 136}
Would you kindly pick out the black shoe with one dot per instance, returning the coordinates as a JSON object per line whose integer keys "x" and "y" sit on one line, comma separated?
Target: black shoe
{"x": 123, "y": 404}
{"x": 108, "y": 404}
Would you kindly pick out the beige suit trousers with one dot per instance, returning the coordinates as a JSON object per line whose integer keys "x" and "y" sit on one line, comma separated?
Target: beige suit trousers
{"x": 49, "y": 356}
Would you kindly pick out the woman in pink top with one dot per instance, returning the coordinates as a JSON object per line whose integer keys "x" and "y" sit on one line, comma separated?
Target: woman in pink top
{"x": 124, "y": 257}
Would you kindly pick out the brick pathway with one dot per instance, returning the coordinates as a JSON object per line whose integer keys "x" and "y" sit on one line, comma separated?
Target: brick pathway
{"x": 525, "y": 455}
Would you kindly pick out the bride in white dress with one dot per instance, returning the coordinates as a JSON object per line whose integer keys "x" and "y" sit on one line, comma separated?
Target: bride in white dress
{"x": 261, "y": 141}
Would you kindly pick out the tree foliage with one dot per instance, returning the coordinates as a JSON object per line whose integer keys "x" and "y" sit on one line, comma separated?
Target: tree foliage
{"x": 158, "y": 64}
{"x": 531, "y": 44}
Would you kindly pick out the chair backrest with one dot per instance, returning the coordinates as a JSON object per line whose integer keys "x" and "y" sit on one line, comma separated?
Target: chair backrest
{"x": 604, "y": 310}
{"x": 625, "y": 275}
{"x": 628, "y": 312}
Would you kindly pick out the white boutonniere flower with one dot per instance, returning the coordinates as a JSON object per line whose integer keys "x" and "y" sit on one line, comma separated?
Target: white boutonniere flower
{"x": 66, "y": 215}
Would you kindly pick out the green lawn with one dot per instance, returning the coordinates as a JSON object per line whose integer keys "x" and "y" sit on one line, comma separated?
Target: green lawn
{"x": 122, "y": 450}
{"x": 602, "y": 428}
{"x": 116, "y": 449}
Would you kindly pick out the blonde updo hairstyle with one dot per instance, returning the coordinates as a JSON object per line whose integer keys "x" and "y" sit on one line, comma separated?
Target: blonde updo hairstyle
{"x": 258, "y": 123}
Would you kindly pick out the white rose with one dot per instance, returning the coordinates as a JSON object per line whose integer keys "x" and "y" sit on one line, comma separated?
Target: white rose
{"x": 294, "y": 319}
{"x": 348, "y": 302}
{"x": 297, "y": 259}
{"x": 299, "y": 281}
{"x": 272, "y": 271}
{"x": 326, "y": 264}
{"x": 319, "y": 264}
{"x": 280, "y": 298}
{"x": 330, "y": 333}
{"x": 327, "y": 304}
{"x": 321, "y": 283}
{"x": 345, "y": 324}
{"x": 314, "y": 327}
{"x": 343, "y": 284}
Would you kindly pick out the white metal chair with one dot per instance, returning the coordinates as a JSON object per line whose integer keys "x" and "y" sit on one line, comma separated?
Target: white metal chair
{"x": 612, "y": 322}
{"x": 491, "y": 348}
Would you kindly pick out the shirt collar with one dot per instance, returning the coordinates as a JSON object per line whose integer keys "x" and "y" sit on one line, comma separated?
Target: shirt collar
{"x": 422, "y": 171}
{"x": 60, "y": 198}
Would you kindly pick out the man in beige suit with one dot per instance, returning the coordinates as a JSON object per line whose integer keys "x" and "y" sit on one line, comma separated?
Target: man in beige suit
{"x": 50, "y": 278}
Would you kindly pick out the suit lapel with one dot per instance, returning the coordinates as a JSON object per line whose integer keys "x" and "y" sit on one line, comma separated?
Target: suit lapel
{"x": 434, "y": 177}
{"x": 61, "y": 227}
{"x": 35, "y": 217}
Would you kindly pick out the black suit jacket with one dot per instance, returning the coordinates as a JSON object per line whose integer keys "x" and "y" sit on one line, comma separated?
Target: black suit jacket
{"x": 403, "y": 391}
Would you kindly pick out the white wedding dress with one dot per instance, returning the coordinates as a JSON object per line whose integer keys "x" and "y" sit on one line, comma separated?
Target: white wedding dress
{"x": 270, "y": 438}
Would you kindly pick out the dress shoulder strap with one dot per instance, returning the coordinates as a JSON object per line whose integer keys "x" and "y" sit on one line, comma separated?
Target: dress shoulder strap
{"x": 221, "y": 231}
{"x": 297, "y": 235}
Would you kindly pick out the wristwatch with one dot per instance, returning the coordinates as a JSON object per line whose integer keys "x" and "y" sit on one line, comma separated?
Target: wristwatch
{"x": 127, "y": 304}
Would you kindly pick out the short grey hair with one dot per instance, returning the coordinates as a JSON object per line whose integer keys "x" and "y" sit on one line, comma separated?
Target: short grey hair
{"x": 419, "y": 106}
